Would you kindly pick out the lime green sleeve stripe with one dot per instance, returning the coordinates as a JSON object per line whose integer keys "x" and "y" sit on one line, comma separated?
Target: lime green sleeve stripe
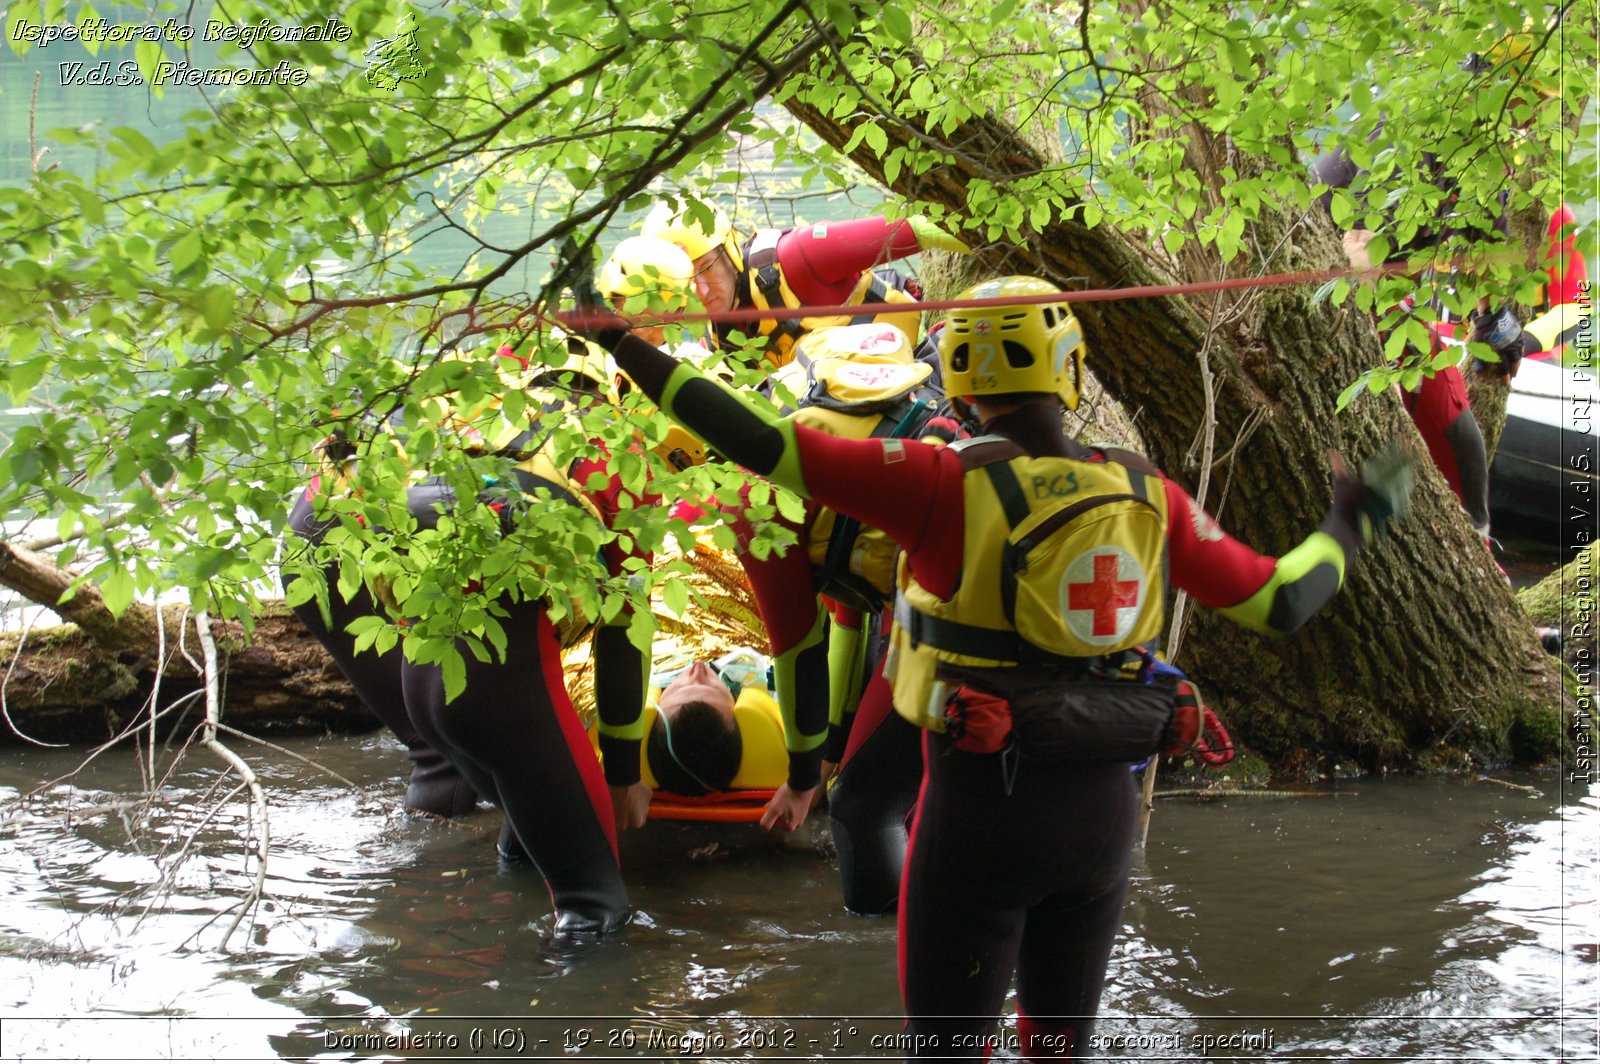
{"x": 739, "y": 425}
{"x": 630, "y": 731}
{"x": 1305, "y": 578}
{"x": 784, "y": 680}
{"x": 846, "y": 670}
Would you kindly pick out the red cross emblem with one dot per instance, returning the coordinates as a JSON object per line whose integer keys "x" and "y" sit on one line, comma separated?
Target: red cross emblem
{"x": 1103, "y": 597}
{"x": 981, "y": 327}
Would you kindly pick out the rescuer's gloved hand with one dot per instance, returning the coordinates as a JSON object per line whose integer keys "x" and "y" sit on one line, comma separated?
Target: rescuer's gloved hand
{"x": 1502, "y": 332}
{"x": 593, "y": 318}
{"x": 942, "y": 429}
{"x": 1376, "y": 495}
{"x": 933, "y": 238}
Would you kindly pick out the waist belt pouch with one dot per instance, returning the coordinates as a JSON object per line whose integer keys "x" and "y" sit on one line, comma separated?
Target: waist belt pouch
{"x": 1092, "y": 720}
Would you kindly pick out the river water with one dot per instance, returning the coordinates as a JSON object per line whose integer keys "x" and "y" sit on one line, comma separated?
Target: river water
{"x": 1379, "y": 920}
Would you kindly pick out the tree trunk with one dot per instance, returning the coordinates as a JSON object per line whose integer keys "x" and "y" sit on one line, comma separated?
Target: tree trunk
{"x": 1425, "y": 654}
{"x": 1565, "y": 600}
{"x": 88, "y": 681}
{"x": 1488, "y": 395}
{"x": 63, "y": 686}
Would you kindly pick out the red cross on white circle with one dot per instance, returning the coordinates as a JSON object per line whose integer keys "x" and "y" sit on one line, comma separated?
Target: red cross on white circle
{"x": 1102, "y": 594}
{"x": 981, "y": 327}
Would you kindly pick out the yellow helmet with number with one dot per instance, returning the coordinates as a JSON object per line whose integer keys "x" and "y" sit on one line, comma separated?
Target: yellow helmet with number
{"x": 651, "y": 267}
{"x": 1004, "y": 350}
{"x": 685, "y": 227}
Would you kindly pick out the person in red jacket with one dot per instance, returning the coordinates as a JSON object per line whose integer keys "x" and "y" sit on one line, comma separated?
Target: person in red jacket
{"x": 825, "y": 264}
{"x": 1033, "y": 567}
{"x": 512, "y": 735}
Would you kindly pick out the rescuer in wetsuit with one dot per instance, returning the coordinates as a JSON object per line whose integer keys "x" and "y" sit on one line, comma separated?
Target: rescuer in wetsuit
{"x": 818, "y": 655}
{"x": 826, "y": 264}
{"x": 435, "y": 787}
{"x": 1019, "y": 863}
{"x": 512, "y": 733}
{"x": 856, "y": 381}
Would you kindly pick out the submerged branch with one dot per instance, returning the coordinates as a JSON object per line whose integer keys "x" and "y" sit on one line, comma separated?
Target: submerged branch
{"x": 258, "y": 799}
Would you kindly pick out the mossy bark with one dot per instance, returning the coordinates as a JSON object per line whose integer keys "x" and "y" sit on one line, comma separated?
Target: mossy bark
{"x": 64, "y": 686}
{"x": 1565, "y": 600}
{"x": 1488, "y": 394}
{"x": 1425, "y": 655}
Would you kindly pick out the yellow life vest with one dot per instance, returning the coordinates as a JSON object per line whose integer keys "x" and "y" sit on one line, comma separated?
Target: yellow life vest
{"x": 1064, "y": 562}
{"x": 857, "y": 382}
{"x": 765, "y": 287}
{"x": 764, "y": 763}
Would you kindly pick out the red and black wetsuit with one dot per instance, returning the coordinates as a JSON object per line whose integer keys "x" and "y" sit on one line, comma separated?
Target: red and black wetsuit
{"x": 1443, "y": 416}
{"x": 436, "y": 786}
{"x": 1028, "y": 880}
{"x": 516, "y": 737}
{"x": 786, "y": 596}
{"x": 879, "y": 755}
{"x": 513, "y": 735}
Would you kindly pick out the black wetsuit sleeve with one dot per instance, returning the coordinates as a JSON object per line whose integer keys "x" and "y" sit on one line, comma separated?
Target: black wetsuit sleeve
{"x": 619, "y": 677}
{"x": 741, "y": 428}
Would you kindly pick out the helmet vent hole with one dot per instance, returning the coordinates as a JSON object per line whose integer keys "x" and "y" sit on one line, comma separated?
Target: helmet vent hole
{"x": 958, "y": 358}
{"x": 1049, "y": 315}
{"x": 1018, "y": 356}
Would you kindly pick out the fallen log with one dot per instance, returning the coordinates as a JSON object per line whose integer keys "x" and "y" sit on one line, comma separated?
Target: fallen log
{"x": 61, "y": 685}
{"x": 89, "y": 681}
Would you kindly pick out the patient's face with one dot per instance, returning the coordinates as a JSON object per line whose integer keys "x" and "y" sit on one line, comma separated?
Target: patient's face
{"x": 698, "y": 683}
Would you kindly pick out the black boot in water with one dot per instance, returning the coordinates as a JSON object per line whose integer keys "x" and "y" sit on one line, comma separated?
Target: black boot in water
{"x": 575, "y": 934}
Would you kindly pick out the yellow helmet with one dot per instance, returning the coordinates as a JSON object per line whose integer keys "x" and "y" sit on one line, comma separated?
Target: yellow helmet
{"x": 1002, "y": 350}
{"x": 1514, "y": 55}
{"x": 682, "y": 226}
{"x": 648, "y": 266}
{"x": 584, "y": 359}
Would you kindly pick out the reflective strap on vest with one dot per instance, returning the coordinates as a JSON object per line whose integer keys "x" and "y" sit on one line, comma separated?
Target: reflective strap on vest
{"x": 991, "y": 644}
{"x": 877, "y": 292}
{"x": 1004, "y": 481}
{"x": 764, "y": 275}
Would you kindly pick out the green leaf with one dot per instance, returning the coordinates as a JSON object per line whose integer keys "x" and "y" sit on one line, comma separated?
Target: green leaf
{"x": 791, "y": 506}
{"x": 216, "y": 304}
{"x": 454, "y": 669}
{"x": 117, "y": 591}
{"x": 299, "y": 592}
{"x": 897, "y": 22}
{"x": 675, "y": 596}
{"x": 875, "y": 138}
{"x": 186, "y": 252}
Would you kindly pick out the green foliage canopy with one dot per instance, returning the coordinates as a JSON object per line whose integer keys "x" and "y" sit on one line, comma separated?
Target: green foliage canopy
{"x": 193, "y": 318}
